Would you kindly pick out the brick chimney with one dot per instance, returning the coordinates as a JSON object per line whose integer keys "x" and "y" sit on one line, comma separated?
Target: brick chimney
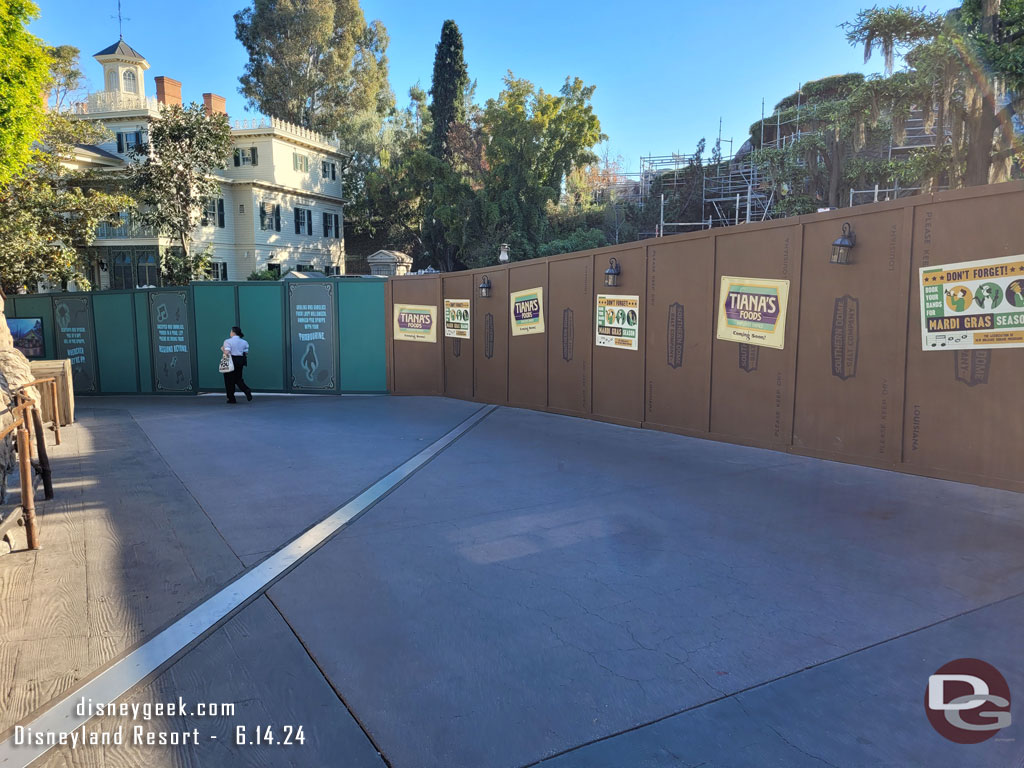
{"x": 215, "y": 105}
{"x": 168, "y": 91}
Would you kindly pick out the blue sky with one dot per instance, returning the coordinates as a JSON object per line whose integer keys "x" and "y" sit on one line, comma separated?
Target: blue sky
{"x": 665, "y": 72}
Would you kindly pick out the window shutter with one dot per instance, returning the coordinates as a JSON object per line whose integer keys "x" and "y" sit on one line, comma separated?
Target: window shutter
{"x": 277, "y": 218}
{"x": 298, "y": 220}
{"x": 309, "y": 223}
{"x": 220, "y": 212}
{"x": 263, "y": 215}
{"x": 238, "y": 157}
{"x": 138, "y": 138}
{"x": 337, "y": 227}
{"x": 254, "y": 156}
{"x": 120, "y": 143}
{"x": 295, "y": 161}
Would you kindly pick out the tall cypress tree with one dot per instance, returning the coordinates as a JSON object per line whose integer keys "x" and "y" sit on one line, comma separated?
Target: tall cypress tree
{"x": 448, "y": 87}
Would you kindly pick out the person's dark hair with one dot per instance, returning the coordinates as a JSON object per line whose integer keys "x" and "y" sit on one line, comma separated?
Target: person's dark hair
{"x": 237, "y": 331}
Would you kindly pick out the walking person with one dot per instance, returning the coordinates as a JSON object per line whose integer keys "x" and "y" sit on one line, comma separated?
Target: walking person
{"x": 237, "y": 347}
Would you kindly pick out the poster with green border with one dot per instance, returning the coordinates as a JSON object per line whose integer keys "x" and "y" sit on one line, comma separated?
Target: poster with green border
{"x": 456, "y": 318}
{"x": 416, "y": 322}
{"x": 618, "y": 322}
{"x": 527, "y": 310}
{"x": 973, "y": 304}
{"x": 753, "y": 311}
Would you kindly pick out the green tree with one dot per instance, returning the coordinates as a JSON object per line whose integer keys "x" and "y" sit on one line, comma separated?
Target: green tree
{"x": 49, "y": 212}
{"x": 172, "y": 177}
{"x": 316, "y": 63}
{"x": 24, "y": 71}
{"x": 448, "y": 87}
{"x": 65, "y": 76}
{"x": 533, "y": 141}
{"x": 390, "y": 213}
{"x": 319, "y": 64}
{"x": 971, "y": 63}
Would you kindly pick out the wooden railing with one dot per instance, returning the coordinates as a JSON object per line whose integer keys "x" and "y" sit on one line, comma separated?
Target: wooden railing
{"x": 49, "y": 385}
{"x": 26, "y": 512}
{"x": 26, "y": 420}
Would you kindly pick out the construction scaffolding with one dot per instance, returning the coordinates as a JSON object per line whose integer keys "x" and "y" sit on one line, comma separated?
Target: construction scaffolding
{"x": 735, "y": 190}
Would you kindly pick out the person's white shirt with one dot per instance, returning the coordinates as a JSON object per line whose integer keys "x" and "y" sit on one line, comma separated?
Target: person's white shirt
{"x": 235, "y": 346}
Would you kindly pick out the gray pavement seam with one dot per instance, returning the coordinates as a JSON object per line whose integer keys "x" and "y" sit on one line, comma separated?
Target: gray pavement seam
{"x": 764, "y": 683}
{"x": 188, "y": 490}
{"x": 148, "y": 659}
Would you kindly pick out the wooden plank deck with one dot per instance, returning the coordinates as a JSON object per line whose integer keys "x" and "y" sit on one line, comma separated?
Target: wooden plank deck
{"x": 125, "y": 548}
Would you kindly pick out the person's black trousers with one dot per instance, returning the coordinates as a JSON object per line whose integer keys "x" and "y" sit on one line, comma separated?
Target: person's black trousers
{"x": 234, "y": 379}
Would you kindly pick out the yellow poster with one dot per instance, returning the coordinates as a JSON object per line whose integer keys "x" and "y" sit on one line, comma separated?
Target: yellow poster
{"x": 753, "y": 311}
{"x": 618, "y": 322}
{"x": 527, "y": 308}
{"x": 973, "y": 305}
{"x": 415, "y": 322}
{"x": 456, "y": 318}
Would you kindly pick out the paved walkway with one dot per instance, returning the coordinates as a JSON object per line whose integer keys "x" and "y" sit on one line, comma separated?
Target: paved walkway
{"x": 545, "y": 590}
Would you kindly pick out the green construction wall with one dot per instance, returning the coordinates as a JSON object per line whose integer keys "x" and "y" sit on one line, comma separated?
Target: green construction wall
{"x": 124, "y": 355}
{"x": 215, "y": 313}
{"x": 262, "y": 318}
{"x": 142, "y": 337}
{"x": 362, "y": 321}
{"x": 113, "y": 318}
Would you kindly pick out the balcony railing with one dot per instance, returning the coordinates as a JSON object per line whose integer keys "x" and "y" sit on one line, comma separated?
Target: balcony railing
{"x": 126, "y": 229}
{"x": 114, "y": 101}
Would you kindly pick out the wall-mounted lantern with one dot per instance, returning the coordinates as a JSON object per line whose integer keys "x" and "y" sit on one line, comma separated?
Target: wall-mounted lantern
{"x": 485, "y": 288}
{"x": 611, "y": 275}
{"x": 842, "y": 245}
{"x": 503, "y": 255}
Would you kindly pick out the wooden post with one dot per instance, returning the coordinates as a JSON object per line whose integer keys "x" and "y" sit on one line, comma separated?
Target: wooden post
{"x": 28, "y": 503}
{"x": 44, "y": 459}
{"x": 55, "y": 412}
{"x": 26, "y": 402}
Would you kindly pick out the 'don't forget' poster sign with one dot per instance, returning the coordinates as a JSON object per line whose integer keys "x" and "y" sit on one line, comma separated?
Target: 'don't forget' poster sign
{"x": 456, "y": 318}
{"x": 973, "y": 304}
{"x": 618, "y": 322}
{"x": 527, "y": 308}
{"x": 415, "y": 322}
{"x": 753, "y": 311}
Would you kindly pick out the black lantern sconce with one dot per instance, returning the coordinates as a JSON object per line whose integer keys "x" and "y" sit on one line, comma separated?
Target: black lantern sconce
{"x": 842, "y": 245}
{"x": 485, "y": 288}
{"x": 611, "y": 275}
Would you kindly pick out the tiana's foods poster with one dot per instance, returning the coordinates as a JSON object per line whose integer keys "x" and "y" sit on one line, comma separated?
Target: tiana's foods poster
{"x": 753, "y": 311}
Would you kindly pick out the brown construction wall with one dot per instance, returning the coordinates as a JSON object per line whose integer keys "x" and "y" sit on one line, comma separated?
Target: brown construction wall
{"x": 963, "y": 416}
{"x": 571, "y": 336}
{"x": 416, "y": 368}
{"x": 851, "y": 382}
{"x": 528, "y": 355}
{"x": 458, "y": 353}
{"x": 680, "y": 329}
{"x": 490, "y": 339}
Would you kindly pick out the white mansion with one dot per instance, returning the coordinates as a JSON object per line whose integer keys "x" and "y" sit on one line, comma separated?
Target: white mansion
{"x": 280, "y": 204}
